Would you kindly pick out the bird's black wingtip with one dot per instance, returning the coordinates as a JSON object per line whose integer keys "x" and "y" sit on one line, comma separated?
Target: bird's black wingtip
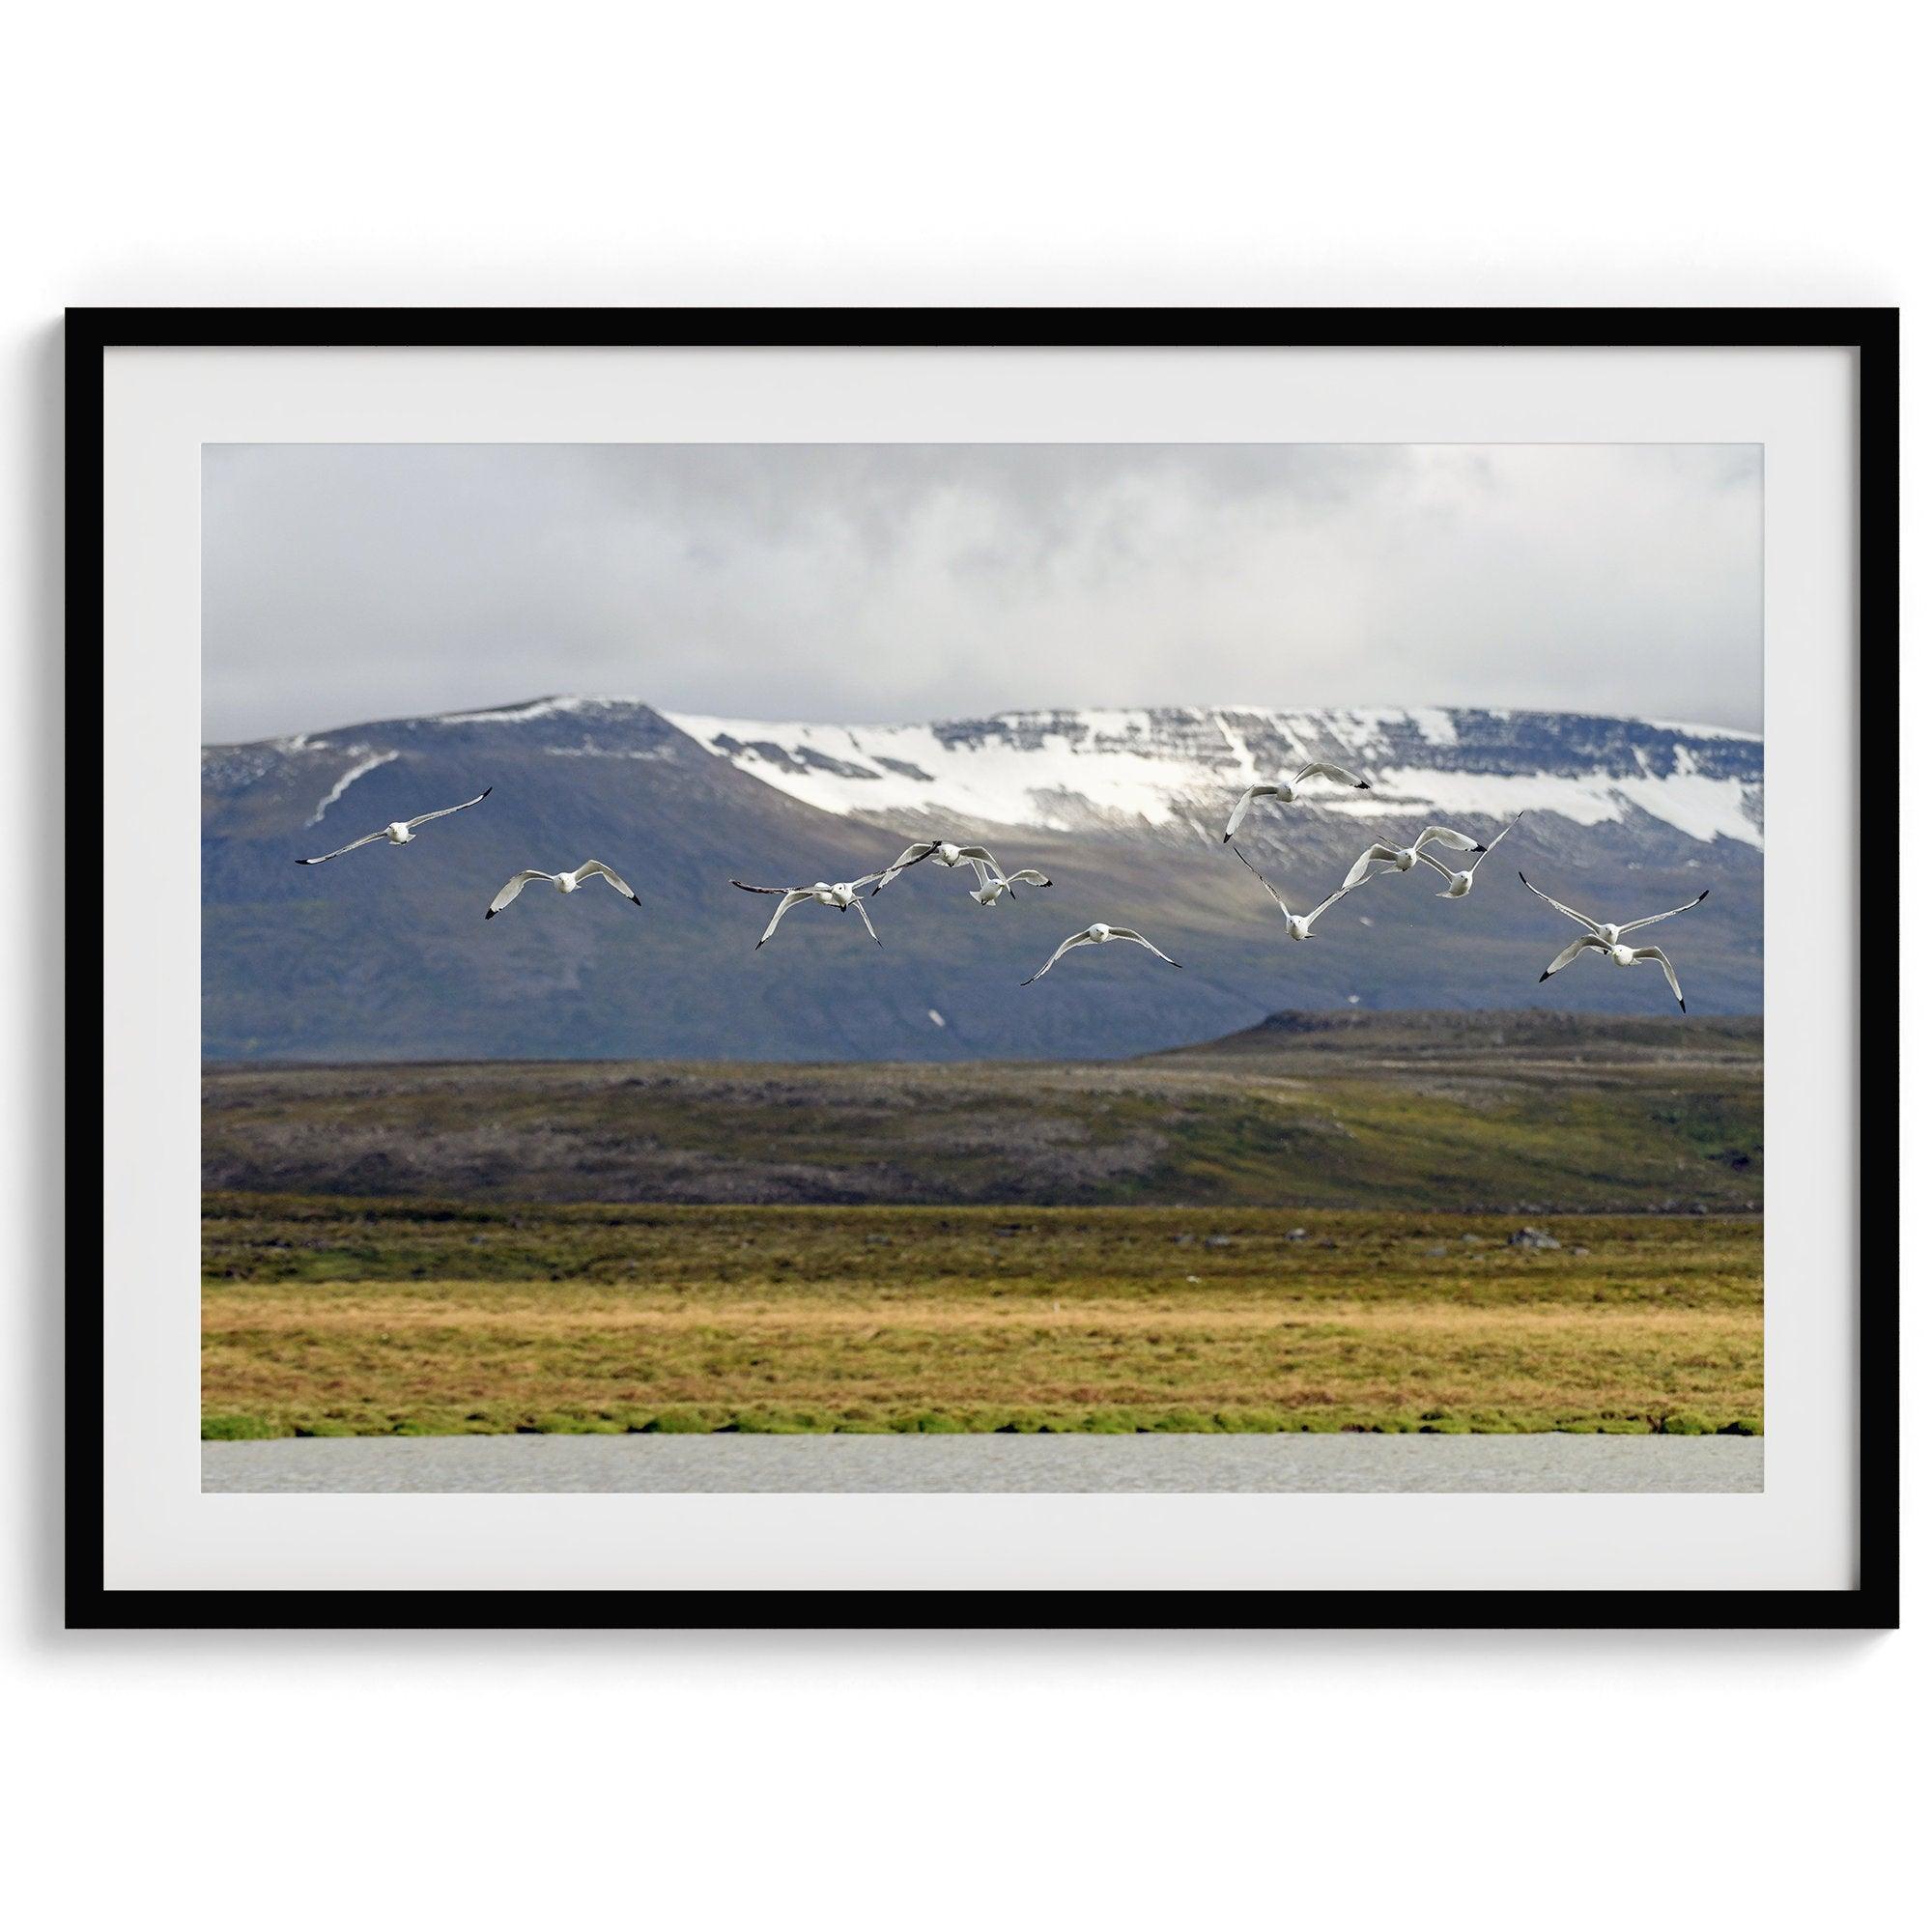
{"x": 484, "y": 793}
{"x": 635, "y": 900}
{"x": 1525, "y": 881}
{"x": 490, "y": 915}
{"x": 1481, "y": 848}
{"x": 1541, "y": 976}
{"x": 1682, "y": 1007}
{"x": 302, "y": 862}
{"x": 1703, "y": 895}
{"x": 1362, "y": 784}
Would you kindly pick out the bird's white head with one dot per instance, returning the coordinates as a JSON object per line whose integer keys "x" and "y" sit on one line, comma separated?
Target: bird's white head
{"x": 948, "y": 853}
{"x": 566, "y": 882}
{"x": 1097, "y": 930}
{"x": 399, "y": 833}
{"x": 1624, "y": 955}
{"x": 1459, "y": 885}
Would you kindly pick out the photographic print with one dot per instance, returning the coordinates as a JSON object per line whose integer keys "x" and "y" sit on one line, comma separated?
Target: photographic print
{"x": 1006, "y": 967}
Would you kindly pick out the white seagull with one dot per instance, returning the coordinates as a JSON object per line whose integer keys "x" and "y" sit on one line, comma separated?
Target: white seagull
{"x": 1406, "y": 858}
{"x": 1619, "y": 955}
{"x": 993, "y": 882}
{"x": 941, "y": 851}
{"x": 1298, "y": 923}
{"x": 1604, "y": 934}
{"x": 1097, "y": 935}
{"x": 1288, "y": 791}
{"x": 1460, "y": 883}
{"x": 403, "y": 831}
{"x": 564, "y": 882}
{"x": 840, "y": 898}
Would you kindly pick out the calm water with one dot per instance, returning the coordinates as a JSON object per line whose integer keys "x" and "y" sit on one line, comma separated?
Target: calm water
{"x": 1655, "y": 1465}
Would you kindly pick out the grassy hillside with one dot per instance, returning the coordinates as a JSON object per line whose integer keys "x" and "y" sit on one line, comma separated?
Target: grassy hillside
{"x": 1508, "y": 1113}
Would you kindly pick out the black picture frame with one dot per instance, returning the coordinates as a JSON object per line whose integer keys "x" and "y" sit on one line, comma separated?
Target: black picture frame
{"x": 1872, "y": 333}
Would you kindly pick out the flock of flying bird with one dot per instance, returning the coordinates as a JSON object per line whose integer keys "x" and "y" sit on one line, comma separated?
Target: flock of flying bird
{"x": 991, "y": 884}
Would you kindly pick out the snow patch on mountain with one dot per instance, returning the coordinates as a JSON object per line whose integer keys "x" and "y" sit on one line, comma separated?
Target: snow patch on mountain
{"x": 523, "y": 714}
{"x": 1048, "y": 776}
{"x": 1702, "y": 730}
{"x": 1080, "y": 770}
{"x": 361, "y": 769}
{"x": 1700, "y": 808}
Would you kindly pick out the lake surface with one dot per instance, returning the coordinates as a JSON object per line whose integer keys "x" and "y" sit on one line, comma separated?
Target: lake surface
{"x": 858, "y": 1465}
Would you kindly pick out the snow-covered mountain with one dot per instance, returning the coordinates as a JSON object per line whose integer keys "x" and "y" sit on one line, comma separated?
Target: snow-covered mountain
{"x": 385, "y": 953}
{"x": 1076, "y": 771}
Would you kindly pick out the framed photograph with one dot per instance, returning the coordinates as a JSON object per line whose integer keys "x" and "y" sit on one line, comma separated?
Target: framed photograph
{"x": 1040, "y": 968}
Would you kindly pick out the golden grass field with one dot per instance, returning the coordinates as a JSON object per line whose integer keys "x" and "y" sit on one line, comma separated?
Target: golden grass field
{"x": 326, "y": 1314}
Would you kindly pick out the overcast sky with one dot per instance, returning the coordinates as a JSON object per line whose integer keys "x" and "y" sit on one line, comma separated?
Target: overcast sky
{"x": 879, "y": 583}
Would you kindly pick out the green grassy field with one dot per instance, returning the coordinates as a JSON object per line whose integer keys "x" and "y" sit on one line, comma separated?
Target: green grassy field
{"x": 332, "y": 1315}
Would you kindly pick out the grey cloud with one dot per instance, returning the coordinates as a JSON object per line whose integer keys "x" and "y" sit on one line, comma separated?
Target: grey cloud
{"x": 872, "y": 581}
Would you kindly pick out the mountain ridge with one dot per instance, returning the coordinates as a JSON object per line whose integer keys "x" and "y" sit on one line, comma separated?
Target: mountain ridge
{"x": 1124, "y": 810}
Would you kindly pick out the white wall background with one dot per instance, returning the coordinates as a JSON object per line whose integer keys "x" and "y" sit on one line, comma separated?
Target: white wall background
{"x": 844, "y": 153}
